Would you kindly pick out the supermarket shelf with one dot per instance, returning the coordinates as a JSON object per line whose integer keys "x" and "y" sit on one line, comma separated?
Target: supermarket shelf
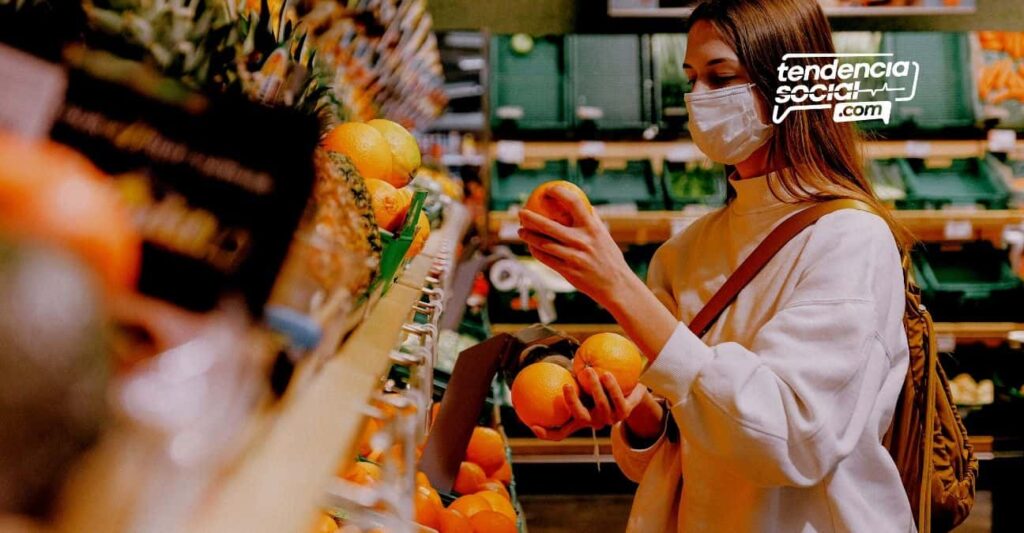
{"x": 306, "y": 438}
{"x": 686, "y": 150}
{"x": 958, "y": 331}
{"x": 657, "y": 226}
{"x": 581, "y": 450}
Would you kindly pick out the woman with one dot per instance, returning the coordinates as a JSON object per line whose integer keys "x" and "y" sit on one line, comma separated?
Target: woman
{"x": 772, "y": 421}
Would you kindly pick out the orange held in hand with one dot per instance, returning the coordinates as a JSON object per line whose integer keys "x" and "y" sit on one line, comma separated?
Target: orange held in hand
{"x": 610, "y": 352}
{"x": 365, "y": 146}
{"x": 492, "y": 522}
{"x": 470, "y": 505}
{"x": 537, "y": 395}
{"x": 486, "y": 448}
{"x": 469, "y": 478}
{"x": 453, "y": 521}
{"x": 544, "y": 203}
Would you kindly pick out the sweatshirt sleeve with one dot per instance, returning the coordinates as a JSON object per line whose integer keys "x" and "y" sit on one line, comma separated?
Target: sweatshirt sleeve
{"x": 633, "y": 461}
{"x": 785, "y": 410}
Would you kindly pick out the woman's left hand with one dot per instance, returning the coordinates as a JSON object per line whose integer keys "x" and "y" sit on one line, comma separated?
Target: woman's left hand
{"x": 584, "y": 254}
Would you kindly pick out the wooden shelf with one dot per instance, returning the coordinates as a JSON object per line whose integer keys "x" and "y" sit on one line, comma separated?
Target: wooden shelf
{"x": 657, "y": 151}
{"x": 832, "y": 11}
{"x": 657, "y": 226}
{"x": 959, "y": 331}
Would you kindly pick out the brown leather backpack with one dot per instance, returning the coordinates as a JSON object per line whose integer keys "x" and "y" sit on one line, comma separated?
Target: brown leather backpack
{"x": 927, "y": 439}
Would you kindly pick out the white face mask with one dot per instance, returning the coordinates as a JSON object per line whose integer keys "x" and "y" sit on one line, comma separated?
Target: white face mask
{"x": 725, "y": 123}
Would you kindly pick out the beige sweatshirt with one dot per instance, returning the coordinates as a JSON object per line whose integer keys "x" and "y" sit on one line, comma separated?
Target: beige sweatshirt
{"x": 781, "y": 408}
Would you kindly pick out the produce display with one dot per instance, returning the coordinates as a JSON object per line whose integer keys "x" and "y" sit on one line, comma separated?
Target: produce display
{"x": 1000, "y": 76}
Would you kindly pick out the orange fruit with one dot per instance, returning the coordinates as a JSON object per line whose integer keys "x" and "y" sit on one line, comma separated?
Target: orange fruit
{"x": 469, "y": 478}
{"x": 422, "y": 480}
{"x": 470, "y": 504}
{"x": 428, "y": 510}
{"x": 420, "y": 238}
{"x": 544, "y": 203}
{"x": 496, "y": 487}
{"x": 499, "y": 503}
{"x": 365, "y": 146}
{"x": 492, "y": 522}
{"x": 389, "y": 205}
{"x": 610, "y": 352}
{"x": 369, "y": 430}
{"x": 405, "y": 151}
{"x": 537, "y": 394}
{"x": 453, "y": 521}
{"x": 486, "y": 448}
{"x": 503, "y": 474}
{"x": 363, "y": 473}
{"x": 324, "y": 524}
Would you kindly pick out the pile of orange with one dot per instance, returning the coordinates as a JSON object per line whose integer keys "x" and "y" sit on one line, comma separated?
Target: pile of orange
{"x": 484, "y": 504}
{"x": 537, "y": 392}
{"x": 387, "y": 156}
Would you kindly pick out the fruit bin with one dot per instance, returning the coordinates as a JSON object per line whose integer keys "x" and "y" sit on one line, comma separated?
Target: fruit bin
{"x": 632, "y": 183}
{"x": 968, "y": 282}
{"x": 957, "y": 182}
{"x": 610, "y": 81}
{"x": 670, "y": 84}
{"x": 511, "y": 184}
{"x": 887, "y": 180}
{"x": 529, "y": 88}
{"x": 998, "y": 68}
{"x": 692, "y": 182}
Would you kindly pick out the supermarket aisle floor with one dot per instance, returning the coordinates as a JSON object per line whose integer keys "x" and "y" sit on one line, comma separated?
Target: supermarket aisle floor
{"x": 608, "y": 513}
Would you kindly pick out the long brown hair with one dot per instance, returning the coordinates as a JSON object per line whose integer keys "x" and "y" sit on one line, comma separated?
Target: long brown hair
{"x": 819, "y": 158}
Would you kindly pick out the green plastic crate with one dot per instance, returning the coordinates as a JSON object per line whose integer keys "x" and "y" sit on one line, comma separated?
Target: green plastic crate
{"x": 396, "y": 245}
{"x": 886, "y": 176}
{"x": 945, "y": 85}
{"x": 968, "y": 282}
{"x": 634, "y": 183}
{"x": 512, "y": 184}
{"x": 689, "y": 183}
{"x": 964, "y": 182}
{"x": 529, "y": 90}
{"x": 670, "y": 83}
{"x": 610, "y": 74}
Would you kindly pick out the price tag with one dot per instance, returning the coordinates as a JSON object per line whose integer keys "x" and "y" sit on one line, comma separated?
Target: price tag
{"x": 31, "y": 93}
{"x": 1002, "y": 141}
{"x": 591, "y": 149}
{"x": 958, "y": 230}
{"x": 918, "y": 149}
{"x": 513, "y": 152}
{"x": 588, "y": 112}
{"x": 683, "y": 153}
{"x": 945, "y": 342}
{"x": 509, "y": 112}
{"x": 508, "y": 231}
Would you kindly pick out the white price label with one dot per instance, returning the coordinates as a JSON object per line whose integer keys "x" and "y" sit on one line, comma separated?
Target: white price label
{"x": 509, "y": 112}
{"x": 918, "y": 149}
{"x": 958, "y": 230}
{"x": 683, "y": 153}
{"x": 589, "y": 112}
{"x": 945, "y": 342}
{"x": 1003, "y": 141}
{"x": 592, "y": 149}
{"x": 508, "y": 231}
{"x": 513, "y": 152}
{"x": 31, "y": 93}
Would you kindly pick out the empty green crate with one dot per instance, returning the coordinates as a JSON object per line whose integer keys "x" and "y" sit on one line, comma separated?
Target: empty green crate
{"x": 609, "y": 75}
{"x": 692, "y": 182}
{"x": 968, "y": 282}
{"x": 670, "y": 83}
{"x": 529, "y": 90}
{"x": 634, "y": 183}
{"x": 886, "y": 176}
{"x": 964, "y": 182}
{"x": 944, "y": 86}
{"x": 512, "y": 184}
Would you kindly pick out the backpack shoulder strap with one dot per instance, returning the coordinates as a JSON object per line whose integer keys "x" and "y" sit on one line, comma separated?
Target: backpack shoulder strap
{"x": 764, "y": 252}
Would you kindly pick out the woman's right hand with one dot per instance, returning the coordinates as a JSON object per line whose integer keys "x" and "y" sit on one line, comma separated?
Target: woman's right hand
{"x": 610, "y": 405}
